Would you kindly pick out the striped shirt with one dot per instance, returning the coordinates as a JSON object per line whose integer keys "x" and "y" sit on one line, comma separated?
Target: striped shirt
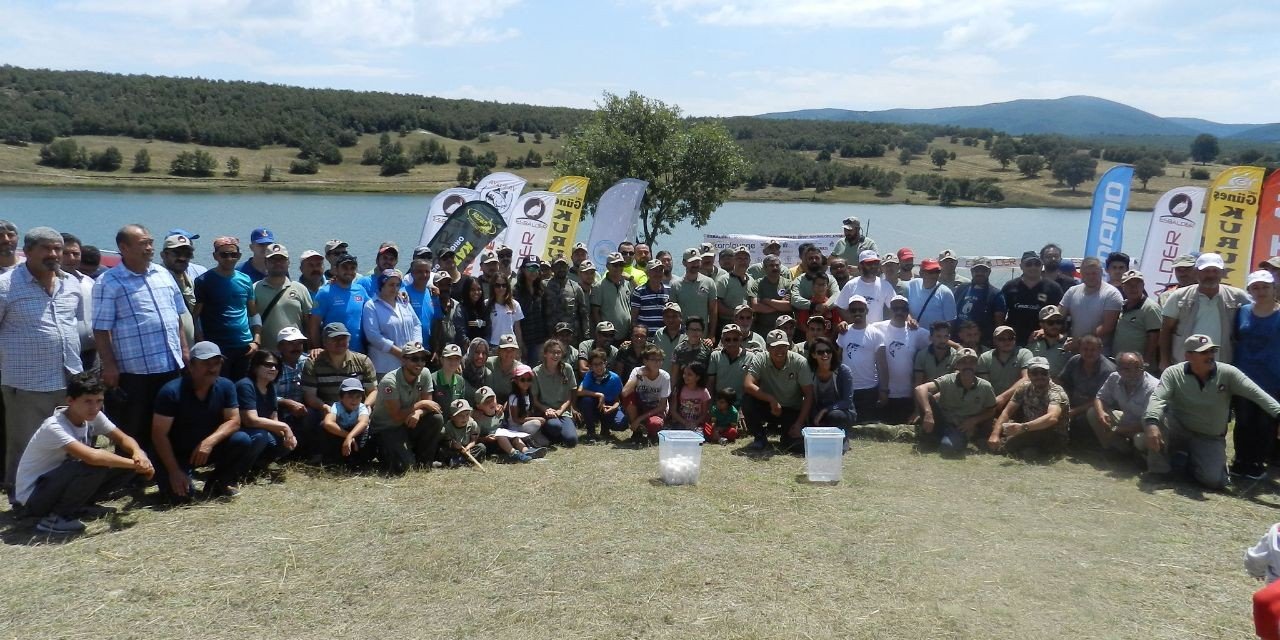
{"x": 650, "y": 303}
{"x": 141, "y": 311}
{"x": 323, "y": 377}
{"x": 38, "y": 330}
{"x": 289, "y": 382}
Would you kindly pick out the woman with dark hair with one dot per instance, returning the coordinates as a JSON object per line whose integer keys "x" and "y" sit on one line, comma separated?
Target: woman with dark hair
{"x": 256, "y": 393}
{"x": 475, "y": 366}
{"x": 554, "y": 388}
{"x": 832, "y": 387}
{"x": 531, "y": 293}
{"x": 505, "y": 313}
{"x": 470, "y": 316}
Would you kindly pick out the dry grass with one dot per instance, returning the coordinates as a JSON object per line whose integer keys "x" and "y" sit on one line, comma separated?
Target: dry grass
{"x": 588, "y": 545}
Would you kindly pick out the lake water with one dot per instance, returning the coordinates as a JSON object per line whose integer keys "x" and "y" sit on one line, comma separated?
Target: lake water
{"x": 307, "y": 220}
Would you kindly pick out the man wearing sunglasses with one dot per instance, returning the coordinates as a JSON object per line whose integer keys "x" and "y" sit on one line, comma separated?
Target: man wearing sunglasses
{"x": 779, "y": 389}
{"x": 1050, "y": 342}
{"x": 406, "y": 422}
{"x": 631, "y": 269}
{"x": 1034, "y": 423}
{"x": 727, "y": 367}
{"x": 226, "y": 312}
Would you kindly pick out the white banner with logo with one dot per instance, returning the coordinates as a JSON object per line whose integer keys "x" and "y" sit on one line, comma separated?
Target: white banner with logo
{"x": 1176, "y": 226}
{"x": 441, "y": 207}
{"x": 615, "y": 218}
{"x": 530, "y": 220}
{"x": 501, "y": 190}
{"x": 790, "y": 244}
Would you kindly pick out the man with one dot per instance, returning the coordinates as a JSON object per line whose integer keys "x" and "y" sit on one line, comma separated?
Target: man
{"x": 281, "y": 302}
{"x": 669, "y": 335}
{"x": 8, "y": 246}
{"x": 1052, "y": 342}
{"x": 632, "y": 270}
{"x": 1034, "y": 423}
{"x": 1051, "y": 259}
{"x": 41, "y": 311}
{"x": 137, "y": 328}
{"x": 643, "y": 255}
{"x": 1186, "y": 419}
{"x": 388, "y": 257}
{"x": 1092, "y": 307}
{"x": 406, "y": 423}
{"x": 727, "y": 368}
{"x": 176, "y": 258}
{"x": 1271, "y": 265}
{"x": 1138, "y": 329}
{"x": 1004, "y": 366}
{"x": 91, "y": 261}
{"x": 418, "y": 286}
{"x": 342, "y": 301}
{"x": 851, "y": 246}
{"x": 745, "y": 318}
{"x": 930, "y": 300}
{"x": 964, "y": 403}
{"x": 586, "y": 278}
{"x": 771, "y": 248}
{"x": 62, "y": 473}
{"x": 648, "y": 300}
{"x": 979, "y": 301}
{"x": 891, "y": 273}
{"x": 804, "y": 297}
{"x": 1117, "y": 410}
{"x": 839, "y": 268}
{"x": 718, "y": 273}
{"x": 631, "y": 352}
{"x": 664, "y": 257}
{"x": 696, "y": 293}
{"x": 779, "y": 390}
{"x": 333, "y": 250}
{"x": 737, "y": 284}
{"x": 859, "y": 349}
{"x": 1184, "y": 275}
{"x": 489, "y": 267}
{"x": 939, "y": 358}
{"x": 323, "y": 374}
{"x": 448, "y": 263}
{"x": 1082, "y": 377}
{"x": 256, "y": 266}
{"x": 226, "y": 311}
{"x": 311, "y": 270}
{"x": 895, "y": 361}
{"x": 197, "y": 423}
{"x": 794, "y": 271}
{"x": 907, "y": 260}
{"x": 611, "y": 298}
{"x": 505, "y": 257}
{"x": 948, "y": 261}
{"x": 566, "y": 301}
{"x": 1025, "y": 296}
{"x": 290, "y": 401}
{"x": 443, "y": 329}
{"x": 772, "y": 293}
{"x": 1117, "y": 264}
{"x": 875, "y": 290}
{"x": 578, "y": 256}
{"x": 604, "y": 341}
{"x": 1209, "y": 308}
{"x": 70, "y": 260}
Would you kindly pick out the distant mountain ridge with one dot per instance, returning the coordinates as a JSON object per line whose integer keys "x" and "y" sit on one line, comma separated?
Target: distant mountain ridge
{"x": 1079, "y": 116}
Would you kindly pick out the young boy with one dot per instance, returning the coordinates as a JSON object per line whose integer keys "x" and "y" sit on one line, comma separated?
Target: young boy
{"x": 969, "y": 335}
{"x": 461, "y": 433}
{"x": 645, "y": 397}
{"x": 488, "y": 417}
{"x": 346, "y": 425}
{"x": 61, "y": 473}
{"x": 600, "y": 398}
{"x": 724, "y": 417}
{"x": 447, "y": 383}
{"x": 816, "y": 326}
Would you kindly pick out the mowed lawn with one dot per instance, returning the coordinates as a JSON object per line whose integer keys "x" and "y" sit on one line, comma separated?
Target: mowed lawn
{"x": 588, "y": 544}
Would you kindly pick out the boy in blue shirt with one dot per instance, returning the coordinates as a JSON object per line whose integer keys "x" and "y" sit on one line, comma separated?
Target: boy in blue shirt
{"x": 346, "y": 425}
{"x": 599, "y": 398}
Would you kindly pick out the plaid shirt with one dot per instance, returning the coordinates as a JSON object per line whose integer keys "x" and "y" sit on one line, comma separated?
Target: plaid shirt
{"x": 141, "y": 312}
{"x": 38, "y": 330}
{"x": 289, "y": 383}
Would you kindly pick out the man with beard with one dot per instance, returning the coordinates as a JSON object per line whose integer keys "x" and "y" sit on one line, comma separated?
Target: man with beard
{"x": 931, "y": 301}
{"x": 979, "y": 301}
{"x": 71, "y": 266}
{"x": 1034, "y": 423}
{"x": 948, "y": 261}
{"x": 875, "y": 290}
{"x": 1209, "y": 308}
{"x": 1138, "y": 329}
{"x": 851, "y": 246}
{"x": 1184, "y": 275}
{"x": 1092, "y": 307}
{"x": 566, "y": 302}
{"x": 1051, "y": 259}
{"x": 8, "y": 246}
{"x": 281, "y": 301}
{"x": 340, "y": 301}
{"x": 388, "y": 257}
{"x": 804, "y": 297}
{"x": 176, "y": 258}
{"x": 1027, "y": 295}
{"x": 773, "y": 295}
{"x": 696, "y": 293}
{"x": 311, "y": 271}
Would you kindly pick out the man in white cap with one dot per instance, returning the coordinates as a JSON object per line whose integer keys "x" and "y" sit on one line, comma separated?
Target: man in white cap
{"x": 874, "y": 290}
{"x": 895, "y": 361}
{"x": 1035, "y": 421}
{"x": 779, "y": 392}
{"x": 1208, "y": 308}
{"x": 854, "y": 243}
{"x": 281, "y": 302}
{"x": 1186, "y": 419}
{"x": 697, "y": 294}
{"x": 290, "y": 400}
{"x": 948, "y": 261}
{"x": 1138, "y": 329}
{"x": 311, "y": 270}
{"x": 727, "y": 368}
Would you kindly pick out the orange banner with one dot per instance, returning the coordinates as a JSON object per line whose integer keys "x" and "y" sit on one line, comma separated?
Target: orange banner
{"x": 1231, "y": 218}
{"x": 1266, "y": 240}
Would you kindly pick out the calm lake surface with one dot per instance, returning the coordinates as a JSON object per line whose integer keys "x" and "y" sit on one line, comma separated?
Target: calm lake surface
{"x": 307, "y": 220}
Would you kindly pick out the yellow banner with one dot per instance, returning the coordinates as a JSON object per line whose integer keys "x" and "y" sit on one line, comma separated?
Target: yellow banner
{"x": 1231, "y": 219}
{"x": 570, "y": 192}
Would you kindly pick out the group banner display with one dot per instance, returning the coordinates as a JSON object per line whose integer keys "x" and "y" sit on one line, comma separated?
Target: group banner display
{"x": 615, "y": 219}
{"x": 790, "y": 244}
{"x": 571, "y": 191}
{"x": 1266, "y": 240}
{"x": 471, "y": 226}
{"x": 442, "y": 206}
{"x": 501, "y": 190}
{"x": 1231, "y": 220}
{"x": 1106, "y": 222}
{"x": 1176, "y": 225}
{"x": 527, "y": 235}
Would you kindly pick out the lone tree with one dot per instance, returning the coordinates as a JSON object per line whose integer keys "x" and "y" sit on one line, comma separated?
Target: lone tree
{"x": 1030, "y": 165}
{"x": 939, "y": 157}
{"x": 1004, "y": 151}
{"x": 1204, "y": 148}
{"x": 141, "y": 162}
{"x": 690, "y": 166}
{"x": 1147, "y": 168}
{"x": 904, "y": 157}
{"x": 1074, "y": 168}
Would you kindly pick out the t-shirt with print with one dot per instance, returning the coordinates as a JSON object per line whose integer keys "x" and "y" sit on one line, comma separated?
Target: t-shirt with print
{"x": 690, "y": 404}
{"x": 336, "y": 303}
{"x": 395, "y": 386}
{"x": 503, "y": 319}
{"x": 650, "y": 391}
{"x": 878, "y": 292}
{"x": 461, "y": 435}
{"x": 858, "y": 352}
{"x": 45, "y": 451}
{"x": 901, "y": 344}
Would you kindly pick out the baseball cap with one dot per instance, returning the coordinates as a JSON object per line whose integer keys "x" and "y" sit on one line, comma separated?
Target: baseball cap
{"x": 349, "y": 385}
{"x": 560, "y": 259}
{"x": 730, "y": 328}
{"x": 783, "y": 319}
{"x": 906, "y": 253}
{"x": 1198, "y": 343}
{"x": 345, "y": 258}
{"x": 205, "y": 350}
{"x": 1038, "y": 362}
{"x": 1261, "y": 275}
{"x": 707, "y": 250}
{"x": 586, "y": 265}
{"x": 488, "y": 257}
{"x": 448, "y": 253}
{"x": 1003, "y": 329}
{"x": 521, "y": 370}
{"x": 423, "y": 253}
{"x": 604, "y": 326}
{"x": 1028, "y": 256}
{"x": 929, "y": 264}
{"x": 1132, "y": 274}
{"x": 412, "y": 348}
{"x": 672, "y": 306}
{"x": 1208, "y": 260}
{"x": 451, "y": 351}
{"x": 581, "y": 246}
{"x": 966, "y": 354}
{"x": 277, "y": 249}
{"x": 947, "y": 254}
{"x": 176, "y": 240}
{"x": 889, "y": 258}
{"x": 484, "y": 393}
{"x": 1050, "y": 311}
{"x": 742, "y": 248}
{"x": 335, "y": 330}
{"x": 308, "y": 254}
{"x": 502, "y": 248}
{"x": 262, "y": 235}
{"x": 691, "y": 255}
{"x": 389, "y": 246}
{"x": 850, "y": 223}
{"x": 773, "y": 244}
{"x": 289, "y": 334}
{"x": 778, "y": 337}
{"x": 508, "y": 341}
{"x": 868, "y": 256}
{"x": 726, "y": 253}
{"x": 333, "y": 246}
{"x": 1067, "y": 266}
{"x": 441, "y": 276}
{"x": 1184, "y": 261}
{"x": 183, "y": 232}
{"x": 563, "y": 326}
{"x": 460, "y": 406}
{"x": 858, "y": 298}
{"x": 898, "y": 298}
{"x": 740, "y": 308}
{"x": 981, "y": 262}
{"x": 655, "y": 265}
{"x": 1273, "y": 261}
{"x": 615, "y": 258}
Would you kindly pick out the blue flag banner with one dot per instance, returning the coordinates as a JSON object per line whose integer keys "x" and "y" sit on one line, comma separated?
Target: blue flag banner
{"x": 1110, "y": 202}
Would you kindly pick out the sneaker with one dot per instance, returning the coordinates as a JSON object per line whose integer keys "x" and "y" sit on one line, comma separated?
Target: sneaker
{"x": 759, "y": 444}
{"x": 723, "y": 441}
{"x": 58, "y": 525}
{"x": 638, "y": 439}
{"x": 436, "y": 464}
{"x": 536, "y": 453}
{"x": 523, "y": 457}
{"x": 226, "y": 491}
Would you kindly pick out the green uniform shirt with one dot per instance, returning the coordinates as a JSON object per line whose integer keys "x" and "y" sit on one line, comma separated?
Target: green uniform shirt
{"x": 614, "y": 301}
{"x": 394, "y": 386}
{"x": 587, "y": 346}
{"x": 735, "y": 291}
{"x": 1203, "y": 408}
{"x": 764, "y": 290}
{"x": 754, "y": 342}
{"x": 783, "y": 384}
{"x": 487, "y": 424}
{"x": 1054, "y": 353}
{"x": 498, "y": 380}
{"x": 1002, "y": 375}
{"x": 931, "y": 366}
{"x": 288, "y": 311}
{"x": 729, "y": 372}
{"x": 850, "y": 252}
{"x": 802, "y": 292}
{"x": 567, "y": 303}
{"x": 668, "y": 346}
{"x": 957, "y": 403}
{"x": 553, "y": 388}
{"x": 695, "y": 297}
{"x": 1131, "y": 330}
{"x": 461, "y": 435}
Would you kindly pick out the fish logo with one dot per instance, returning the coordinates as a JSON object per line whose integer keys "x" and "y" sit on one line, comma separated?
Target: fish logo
{"x": 481, "y": 223}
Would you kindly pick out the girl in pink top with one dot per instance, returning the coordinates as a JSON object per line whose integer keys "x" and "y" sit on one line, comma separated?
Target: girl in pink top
{"x": 693, "y": 401}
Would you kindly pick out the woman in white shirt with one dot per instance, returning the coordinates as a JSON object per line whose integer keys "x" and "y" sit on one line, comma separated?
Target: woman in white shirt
{"x": 389, "y": 322}
{"x": 504, "y": 314}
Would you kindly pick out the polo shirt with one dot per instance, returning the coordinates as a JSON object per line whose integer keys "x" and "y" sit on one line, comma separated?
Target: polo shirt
{"x": 461, "y": 435}
{"x": 251, "y": 271}
{"x": 323, "y": 376}
{"x": 687, "y": 353}
{"x": 736, "y": 290}
{"x": 288, "y": 311}
{"x": 497, "y": 379}
{"x": 649, "y": 303}
{"x": 1134, "y": 325}
{"x": 933, "y": 367}
{"x": 667, "y": 344}
{"x": 610, "y": 385}
{"x": 447, "y": 389}
{"x": 614, "y": 301}
{"x": 347, "y": 420}
{"x": 1132, "y": 405}
{"x": 395, "y": 386}
{"x": 1203, "y": 407}
{"x": 1054, "y": 352}
{"x": 224, "y": 301}
{"x": 729, "y": 372}
{"x": 753, "y": 342}
{"x": 957, "y": 403}
{"x": 851, "y": 250}
{"x": 193, "y": 418}
{"x": 695, "y": 297}
{"x": 336, "y": 303}
{"x": 763, "y": 291}
{"x": 553, "y": 388}
{"x": 1024, "y": 304}
{"x": 803, "y": 295}
{"x": 587, "y": 346}
{"x": 782, "y": 383}
{"x": 1002, "y": 374}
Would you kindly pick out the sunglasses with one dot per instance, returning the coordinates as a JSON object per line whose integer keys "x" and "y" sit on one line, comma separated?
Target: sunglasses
{"x": 228, "y": 254}
{"x": 628, "y": 253}
{"x": 898, "y": 309}
{"x": 1052, "y": 321}
{"x": 269, "y": 365}
{"x": 416, "y": 359}
{"x": 822, "y": 352}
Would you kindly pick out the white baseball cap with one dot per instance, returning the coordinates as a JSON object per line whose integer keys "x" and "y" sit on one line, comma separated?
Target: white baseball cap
{"x": 1207, "y": 260}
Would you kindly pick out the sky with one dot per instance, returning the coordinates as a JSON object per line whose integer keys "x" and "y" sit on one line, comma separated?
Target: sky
{"x": 1169, "y": 57}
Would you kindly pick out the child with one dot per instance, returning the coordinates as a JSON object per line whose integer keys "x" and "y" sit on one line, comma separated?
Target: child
{"x": 346, "y": 425}
{"x": 815, "y": 327}
{"x": 693, "y": 402}
{"x": 821, "y": 289}
{"x": 724, "y": 417}
{"x": 488, "y": 416}
{"x": 461, "y": 433}
{"x": 521, "y": 416}
{"x": 969, "y": 335}
{"x": 645, "y": 396}
{"x": 690, "y": 348}
{"x": 599, "y": 398}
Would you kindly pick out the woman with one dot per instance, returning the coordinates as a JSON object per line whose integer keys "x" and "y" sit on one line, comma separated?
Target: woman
{"x": 256, "y": 393}
{"x": 1258, "y": 356}
{"x": 502, "y": 366}
{"x": 389, "y": 321}
{"x": 832, "y": 388}
{"x": 470, "y": 317}
{"x": 475, "y": 366}
{"x": 531, "y": 293}
{"x": 505, "y": 313}
{"x": 554, "y": 387}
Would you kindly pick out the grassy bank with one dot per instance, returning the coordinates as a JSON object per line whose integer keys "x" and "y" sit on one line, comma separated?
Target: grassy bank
{"x": 588, "y": 545}
{"x": 18, "y": 168}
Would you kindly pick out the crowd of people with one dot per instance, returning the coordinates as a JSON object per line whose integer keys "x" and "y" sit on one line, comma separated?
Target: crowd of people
{"x": 114, "y": 379}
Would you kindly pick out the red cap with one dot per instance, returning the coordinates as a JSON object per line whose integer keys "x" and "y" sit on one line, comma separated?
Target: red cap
{"x": 906, "y": 253}
{"x": 930, "y": 265}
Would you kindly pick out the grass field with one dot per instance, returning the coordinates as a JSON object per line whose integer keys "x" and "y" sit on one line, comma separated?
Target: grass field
{"x": 588, "y": 544}
{"x": 18, "y": 167}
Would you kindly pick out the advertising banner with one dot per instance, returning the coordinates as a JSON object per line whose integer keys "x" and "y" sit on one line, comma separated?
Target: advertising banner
{"x": 1266, "y": 241}
{"x": 564, "y": 220}
{"x": 1231, "y": 219}
{"x": 1176, "y": 225}
{"x": 530, "y": 223}
{"x": 790, "y": 244}
{"x": 1110, "y": 202}
{"x": 467, "y": 231}
{"x": 442, "y": 206}
{"x": 501, "y": 190}
{"x": 615, "y": 218}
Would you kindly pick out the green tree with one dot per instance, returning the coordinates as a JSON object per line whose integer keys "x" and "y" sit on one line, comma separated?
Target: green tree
{"x": 197, "y": 164}
{"x": 537, "y": 137}
{"x": 395, "y": 164}
{"x": 64, "y": 154}
{"x": 885, "y": 183}
{"x": 371, "y": 156}
{"x": 1075, "y": 168}
{"x": 824, "y": 156}
{"x": 691, "y": 167}
{"x": 949, "y": 193}
{"x": 939, "y": 158}
{"x": 464, "y": 177}
{"x": 1249, "y": 156}
{"x": 109, "y": 160}
{"x": 1004, "y": 151}
{"x": 233, "y": 167}
{"x": 141, "y": 162}
{"x": 480, "y": 171}
{"x": 1030, "y": 165}
{"x": 1204, "y": 148}
{"x": 1147, "y": 168}
{"x": 904, "y": 157}
{"x": 310, "y": 166}
{"x": 520, "y": 138}
{"x": 484, "y": 137}
{"x": 466, "y": 157}
{"x": 266, "y": 173}
{"x": 329, "y": 153}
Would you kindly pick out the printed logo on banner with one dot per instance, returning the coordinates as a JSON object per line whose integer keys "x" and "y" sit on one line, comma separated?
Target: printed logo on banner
{"x": 534, "y": 210}
{"x": 1180, "y": 207}
{"x": 482, "y": 224}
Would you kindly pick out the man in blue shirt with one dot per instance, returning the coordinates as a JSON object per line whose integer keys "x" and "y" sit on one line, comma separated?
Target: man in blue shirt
{"x": 980, "y": 302}
{"x": 256, "y": 266}
{"x": 424, "y": 303}
{"x": 340, "y": 301}
{"x": 930, "y": 300}
{"x": 226, "y": 310}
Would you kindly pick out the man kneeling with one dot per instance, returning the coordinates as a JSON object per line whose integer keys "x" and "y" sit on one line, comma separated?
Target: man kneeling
{"x": 1035, "y": 421}
{"x": 61, "y": 473}
{"x": 964, "y": 403}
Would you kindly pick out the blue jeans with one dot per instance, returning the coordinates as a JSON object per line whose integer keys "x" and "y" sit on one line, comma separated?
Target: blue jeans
{"x": 231, "y": 460}
{"x": 266, "y": 447}
{"x": 561, "y": 430}
{"x": 593, "y": 418}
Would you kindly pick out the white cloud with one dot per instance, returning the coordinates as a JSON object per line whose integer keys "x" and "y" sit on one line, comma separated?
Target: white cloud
{"x": 995, "y": 31}
{"x": 823, "y": 14}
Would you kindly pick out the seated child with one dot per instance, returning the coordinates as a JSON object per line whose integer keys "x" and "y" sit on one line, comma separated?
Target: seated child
{"x": 693, "y": 401}
{"x": 488, "y": 416}
{"x": 346, "y": 426}
{"x": 461, "y": 433}
{"x": 724, "y": 418}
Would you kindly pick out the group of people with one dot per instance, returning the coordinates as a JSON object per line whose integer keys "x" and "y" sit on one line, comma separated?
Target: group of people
{"x": 243, "y": 365}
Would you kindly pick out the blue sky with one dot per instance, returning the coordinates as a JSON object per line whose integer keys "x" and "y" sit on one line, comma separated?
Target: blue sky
{"x": 1172, "y": 57}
